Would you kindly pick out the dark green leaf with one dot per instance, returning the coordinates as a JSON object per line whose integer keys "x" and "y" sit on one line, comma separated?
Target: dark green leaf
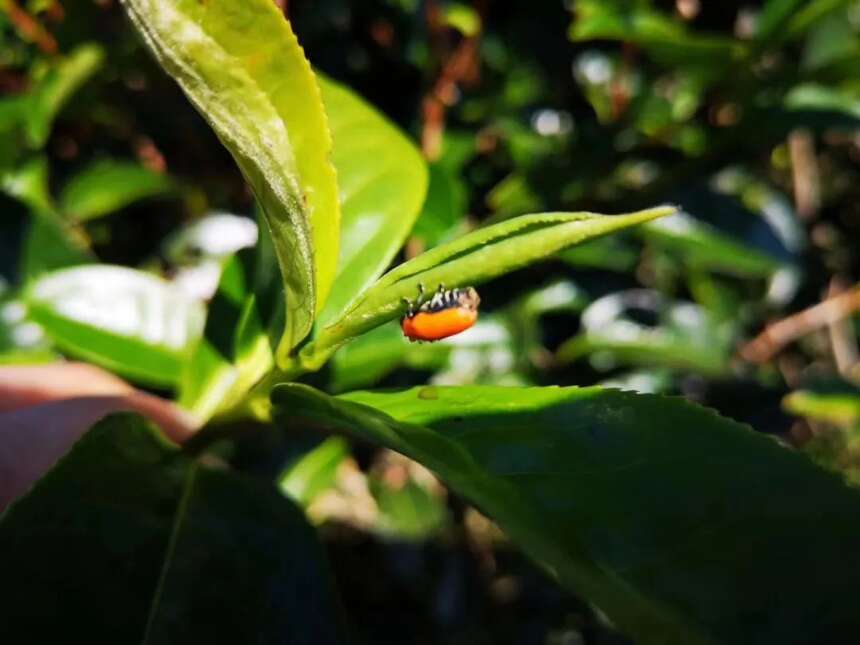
{"x": 684, "y": 527}
{"x": 774, "y": 16}
{"x": 707, "y": 247}
{"x": 128, "y": 541}
{"x": 667, "y": 40}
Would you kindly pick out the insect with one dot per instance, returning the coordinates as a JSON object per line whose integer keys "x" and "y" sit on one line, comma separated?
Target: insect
{"x": 448, "y": 312}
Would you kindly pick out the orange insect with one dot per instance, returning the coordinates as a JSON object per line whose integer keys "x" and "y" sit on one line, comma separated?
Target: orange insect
{"x": 447, "y": 313}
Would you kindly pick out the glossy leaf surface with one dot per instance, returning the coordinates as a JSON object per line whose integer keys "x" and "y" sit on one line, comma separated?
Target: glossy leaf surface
{"x": 131, "y": 322}
{"x": 242, "y": 68}
{"x": 470, "y": 260}
{"x": 684, "y": 527}
{"x": 382, "y": 180}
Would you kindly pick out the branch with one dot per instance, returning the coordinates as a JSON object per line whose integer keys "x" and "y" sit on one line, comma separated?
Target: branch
{"x": 29, "y": 28}
{"x": 779, "y": 334}
{"x": 461, "y": 67}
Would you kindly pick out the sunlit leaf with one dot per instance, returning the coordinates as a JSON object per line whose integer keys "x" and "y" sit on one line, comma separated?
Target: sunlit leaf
{"x": 131, "y": 322}
{"x": 832, "y": 402}
{"x": 242, "y": 68}
{"x": 470, "y": 260}
{"x": 382, "y": 180}
{"x": 28, "y": 183}
{"x": 314, "y": 472}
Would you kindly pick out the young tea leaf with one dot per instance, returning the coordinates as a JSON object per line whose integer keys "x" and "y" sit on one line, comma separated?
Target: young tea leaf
{"x": 241, "y": 66}
{"x": 470, "y": 260}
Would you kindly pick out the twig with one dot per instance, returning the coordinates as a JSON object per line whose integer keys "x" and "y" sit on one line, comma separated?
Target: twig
{"x": 29, "y": 28}
{"x": 842, "y": 336}
{"x": 804, "y": 174}
{"x": 460, "y": 68}
{"x": 779, "y": 334}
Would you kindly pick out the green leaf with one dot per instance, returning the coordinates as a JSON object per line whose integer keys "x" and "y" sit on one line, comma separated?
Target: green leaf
{"x": 812, "y": 97}
{"x": 833, "y": 408}
{"x": 833, "y": 402}
{"x": 668, "y": 41}
{"x": 127, "y": 540}
{"x": 706, "y": 247}
{"x": 444, "y": 208}
{"x": 53, "y": 91}
{"x": 106, "y": 186}
{"x": 470, "y": 260}
{"x": 686, "y": 337}
{"x": 810, "y": 13}
{"x": 683, "y": 526}
{"x": 774, "y": 17}
{"x": 830, "y": 42}
{"x": 382, "y": 179}
{"x": 50, "y": 244}
{"x": 314, "y": 472}
{"x": 241, "y": 66}
{"x": 463, "y": 18}
{"x": 372, "y": 356}
{"x": 235, "y": 351}
{"x": 608, "y": 253}
{"x": 407, "y": 512}
{"x": 28, "y": 183}
{"x": 131, "y": 322}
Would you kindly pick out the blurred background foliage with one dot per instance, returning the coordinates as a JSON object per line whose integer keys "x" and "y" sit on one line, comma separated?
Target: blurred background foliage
{"x": 746, "y": 114}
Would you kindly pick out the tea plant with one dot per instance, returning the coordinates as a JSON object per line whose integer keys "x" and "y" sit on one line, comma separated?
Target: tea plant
{"x": 680, "y": 525}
